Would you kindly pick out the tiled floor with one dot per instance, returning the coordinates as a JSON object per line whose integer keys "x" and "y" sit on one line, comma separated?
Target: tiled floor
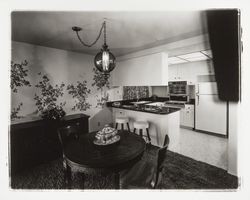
{"x": 202, "y": 147}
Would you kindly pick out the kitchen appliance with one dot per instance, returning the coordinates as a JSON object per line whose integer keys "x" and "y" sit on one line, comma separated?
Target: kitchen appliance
{"x": 177, "y": 101}
{"x": 210, "y": 111}
{"x": 178, "y": 88}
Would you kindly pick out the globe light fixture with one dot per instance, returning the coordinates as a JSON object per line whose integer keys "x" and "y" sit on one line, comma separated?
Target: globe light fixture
{"x": 104, "y": 60}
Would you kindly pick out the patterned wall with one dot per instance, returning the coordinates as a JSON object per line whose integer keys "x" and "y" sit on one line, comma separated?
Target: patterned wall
{"x": 134, "y": 92}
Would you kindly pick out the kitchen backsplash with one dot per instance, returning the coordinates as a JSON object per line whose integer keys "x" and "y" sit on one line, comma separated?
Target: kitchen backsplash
{"x": 134, "y": 92}
{"x": 160, "y": 91}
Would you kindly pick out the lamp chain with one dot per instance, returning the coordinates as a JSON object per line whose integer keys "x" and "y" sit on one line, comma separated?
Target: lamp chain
{"x": 105, "y": 36}
{"x": 98, "y": 37}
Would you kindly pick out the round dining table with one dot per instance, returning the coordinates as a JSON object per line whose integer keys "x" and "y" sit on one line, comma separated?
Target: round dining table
{"x": 84, "y": 156}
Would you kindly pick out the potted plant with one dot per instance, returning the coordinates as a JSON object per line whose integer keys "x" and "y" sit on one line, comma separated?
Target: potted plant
{"x": 101, "y": 81}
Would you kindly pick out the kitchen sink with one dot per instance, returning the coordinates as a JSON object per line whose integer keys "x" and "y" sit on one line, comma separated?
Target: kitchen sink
{"x": 140, "y": 102}
{"x": 156, "y": 104}
{"x": 128, "y": 106}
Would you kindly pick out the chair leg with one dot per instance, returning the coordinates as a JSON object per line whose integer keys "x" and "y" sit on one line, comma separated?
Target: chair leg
{"x": 83, "y": 179}
{"x": 65, "y": 181}
{"x": 122, "y": 126}
{"x": 68, "y": 176}
{"x": 134, "y": 130}
{"x": 116, "y": 125}
{"x": 149, "y": 139}
{"x": 128, "y": 127}
{"x": 140, "y": 132}
{"x": 117, "y": 180}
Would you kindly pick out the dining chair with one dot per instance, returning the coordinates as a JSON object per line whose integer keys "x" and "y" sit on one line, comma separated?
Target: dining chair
{"x": 67, "y": 134}
{"x": 145, "y": 174}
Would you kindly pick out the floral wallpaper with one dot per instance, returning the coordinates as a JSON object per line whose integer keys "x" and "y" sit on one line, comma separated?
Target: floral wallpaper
{"x": 85, "y": 90}
{"x": 135, "y": 92}
{"x": 80, "y": 93}
{"x": 18, "y": 78}
{"x": 46, "y": 100}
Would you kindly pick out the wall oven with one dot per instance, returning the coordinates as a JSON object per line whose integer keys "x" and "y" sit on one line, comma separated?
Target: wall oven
{"x": 178, "y": 88}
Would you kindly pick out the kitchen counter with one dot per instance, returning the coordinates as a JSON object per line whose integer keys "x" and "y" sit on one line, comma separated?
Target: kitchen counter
{"x": 142, "y": 107}
{"x": 161, "y": 122}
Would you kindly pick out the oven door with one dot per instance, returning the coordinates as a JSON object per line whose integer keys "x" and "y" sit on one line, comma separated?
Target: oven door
{"x": 179, "y": 98}
{"x": 178, "y": 88}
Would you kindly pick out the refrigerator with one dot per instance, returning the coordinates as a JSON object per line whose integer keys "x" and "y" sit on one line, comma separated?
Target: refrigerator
{"x": 210, "y": 112}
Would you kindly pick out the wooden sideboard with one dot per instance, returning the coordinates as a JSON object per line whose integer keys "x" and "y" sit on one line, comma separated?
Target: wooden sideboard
{"x": 36, "y": 142}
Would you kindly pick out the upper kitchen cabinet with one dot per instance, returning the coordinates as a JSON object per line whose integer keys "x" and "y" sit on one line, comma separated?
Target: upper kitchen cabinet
{"x": 205, "y": 68}
{"x": 180, "y": 73}
{"x": 143, "y": 70}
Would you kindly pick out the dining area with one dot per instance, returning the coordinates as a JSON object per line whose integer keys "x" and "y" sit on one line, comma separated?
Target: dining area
{"x": 88, "y": 154}
{"x": 67, "y": 155}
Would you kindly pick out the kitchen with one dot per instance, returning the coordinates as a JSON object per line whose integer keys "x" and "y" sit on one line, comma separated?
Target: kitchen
{"x": 197, "y": 117}
{"x": 178, "y": 97}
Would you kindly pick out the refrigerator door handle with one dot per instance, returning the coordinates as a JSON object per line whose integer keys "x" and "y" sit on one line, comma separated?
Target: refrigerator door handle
{"x": 198, "y": 95}
{"x": 198, "y": 98}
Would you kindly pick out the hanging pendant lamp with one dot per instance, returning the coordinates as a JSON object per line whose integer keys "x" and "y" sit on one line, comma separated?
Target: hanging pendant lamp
{"x": 104, "y": 60}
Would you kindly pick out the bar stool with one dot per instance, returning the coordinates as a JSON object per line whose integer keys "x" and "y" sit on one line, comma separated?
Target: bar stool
{"x": 122, "y": 121}
{"x": 140, "y": 125}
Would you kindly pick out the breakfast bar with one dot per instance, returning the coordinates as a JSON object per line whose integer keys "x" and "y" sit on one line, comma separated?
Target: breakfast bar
{"x": 162, "y": 120}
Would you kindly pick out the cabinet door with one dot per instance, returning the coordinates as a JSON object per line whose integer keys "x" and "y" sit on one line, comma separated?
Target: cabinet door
{"x": 140, "y": 71}
{"x": 172, "y": 72}
{"x": 210, "y": 67}
{"x": 187, "y": 116}
{"x": 27, "y": 148}
{"x": 205, "y": 67}
{"x": 189, "y": 113}
{"x": 182, "y": 117}
{"x": 180, "y": 72}
{"x": 183, "y": 73}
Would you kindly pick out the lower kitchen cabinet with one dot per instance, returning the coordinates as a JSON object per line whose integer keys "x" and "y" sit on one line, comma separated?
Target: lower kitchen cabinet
{"x": 36, "y": 142}
{"x": 187, "y": 116}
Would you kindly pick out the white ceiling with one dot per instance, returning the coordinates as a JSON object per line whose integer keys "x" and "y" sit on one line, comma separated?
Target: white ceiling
{"x": 126, "y": 31}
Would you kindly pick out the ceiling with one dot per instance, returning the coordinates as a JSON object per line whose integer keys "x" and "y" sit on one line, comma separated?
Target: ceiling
{"x": 126, "y": 31}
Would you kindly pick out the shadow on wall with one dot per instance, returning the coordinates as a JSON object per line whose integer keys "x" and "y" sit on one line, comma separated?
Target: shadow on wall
{"x": 98, "y": 121}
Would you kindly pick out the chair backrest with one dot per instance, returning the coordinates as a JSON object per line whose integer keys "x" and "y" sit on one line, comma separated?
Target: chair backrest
{"x": 67, "y": 134}
{"x": 160, "y": 158}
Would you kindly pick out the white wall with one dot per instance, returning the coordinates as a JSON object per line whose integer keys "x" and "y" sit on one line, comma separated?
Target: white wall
{"x": 233, "y": 138}
{"x": 61, "y": 66}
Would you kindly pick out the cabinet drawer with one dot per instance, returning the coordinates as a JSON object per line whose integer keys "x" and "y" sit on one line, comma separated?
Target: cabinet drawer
{"x": 77, "y": 119}
{"x": 187, "y": 116}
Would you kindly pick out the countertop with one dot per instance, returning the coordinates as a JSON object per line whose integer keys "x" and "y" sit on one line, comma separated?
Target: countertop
{"x": 127, "y": 105}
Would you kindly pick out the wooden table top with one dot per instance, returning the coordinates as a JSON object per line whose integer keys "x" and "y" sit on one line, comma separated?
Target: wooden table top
{"x": 85, "y": 153}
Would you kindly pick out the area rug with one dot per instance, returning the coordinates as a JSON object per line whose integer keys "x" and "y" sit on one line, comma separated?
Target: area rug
{"x": 179, "y": 172}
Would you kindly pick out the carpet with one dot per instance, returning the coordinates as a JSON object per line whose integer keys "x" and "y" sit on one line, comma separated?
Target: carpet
{"x": 179, "y": 172}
